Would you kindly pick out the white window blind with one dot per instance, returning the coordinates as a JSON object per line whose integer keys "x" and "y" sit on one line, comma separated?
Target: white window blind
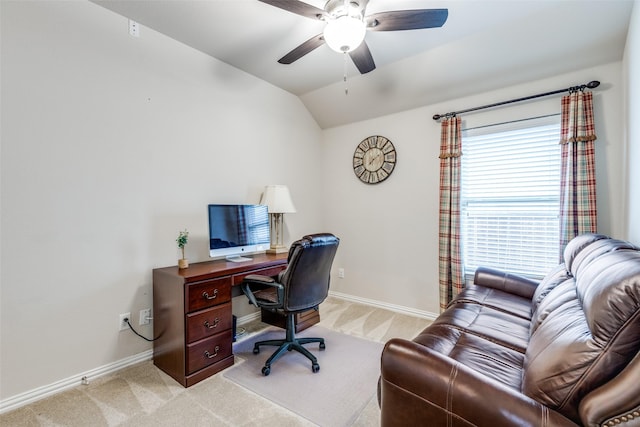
{"x": 510, "y": 196}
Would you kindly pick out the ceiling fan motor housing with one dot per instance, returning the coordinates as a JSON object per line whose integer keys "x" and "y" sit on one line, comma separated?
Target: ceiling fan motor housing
{"x": 337, "y": 8}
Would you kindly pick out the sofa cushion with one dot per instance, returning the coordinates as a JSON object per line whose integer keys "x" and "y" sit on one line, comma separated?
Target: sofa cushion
{"x": 482, "y": 356}
{"x": 499, "y": 300}
{"x": 588, "y": 334}
{"x": 488, "y": 323}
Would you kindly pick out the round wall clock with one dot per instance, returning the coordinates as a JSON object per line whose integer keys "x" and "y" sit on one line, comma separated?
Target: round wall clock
{"x": 374, "y": 159}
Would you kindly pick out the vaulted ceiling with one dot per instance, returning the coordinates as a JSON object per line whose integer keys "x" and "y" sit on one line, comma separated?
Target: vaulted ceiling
{"x": 484, "y": 45}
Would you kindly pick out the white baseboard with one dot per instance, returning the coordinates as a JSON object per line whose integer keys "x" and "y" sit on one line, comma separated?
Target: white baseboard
{"x": 392, "y": 307}
{"x": 30, "y": 396}
{"x": 248, "y": 318}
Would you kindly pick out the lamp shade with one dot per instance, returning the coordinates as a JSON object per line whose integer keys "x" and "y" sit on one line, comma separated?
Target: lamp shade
{"x": 277, "y": 199}
{"x": 344, "y": 33}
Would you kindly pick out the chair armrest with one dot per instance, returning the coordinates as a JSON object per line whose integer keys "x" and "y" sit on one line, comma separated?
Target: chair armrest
{"x": 262, "y": 281}
{"x": 511, "y": 283}
{"x": 418, "y": 384}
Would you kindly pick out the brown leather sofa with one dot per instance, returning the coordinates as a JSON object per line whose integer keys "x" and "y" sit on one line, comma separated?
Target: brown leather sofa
{"x": 509, "y": 351}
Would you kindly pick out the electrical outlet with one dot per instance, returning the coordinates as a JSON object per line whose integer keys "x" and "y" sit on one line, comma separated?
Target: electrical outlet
{"x": 134, "y": 28}
{"x": 341, "y": 273}
{"x": 144, "y": 316}
{"x": 122, "y": 325}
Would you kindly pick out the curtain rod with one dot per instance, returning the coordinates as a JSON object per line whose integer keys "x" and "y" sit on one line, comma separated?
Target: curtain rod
{"x": 590, "y": 85}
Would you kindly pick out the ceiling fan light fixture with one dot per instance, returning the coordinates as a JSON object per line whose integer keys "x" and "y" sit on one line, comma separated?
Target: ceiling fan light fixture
{"x": 344, "y": 33}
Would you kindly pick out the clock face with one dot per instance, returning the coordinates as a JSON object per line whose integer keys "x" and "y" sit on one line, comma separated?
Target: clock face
{"x": 374, "y": 159}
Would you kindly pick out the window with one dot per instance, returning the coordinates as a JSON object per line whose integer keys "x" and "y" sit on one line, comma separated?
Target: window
{"x": 510, "y": 197}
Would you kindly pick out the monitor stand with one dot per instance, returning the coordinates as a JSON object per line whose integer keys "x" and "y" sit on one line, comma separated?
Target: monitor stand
{"x": 238, "y": 258}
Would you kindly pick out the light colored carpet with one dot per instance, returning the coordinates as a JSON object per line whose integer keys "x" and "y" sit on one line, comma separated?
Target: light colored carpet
{"x": 334, "y": 396}
{"x": 142, "y": 395}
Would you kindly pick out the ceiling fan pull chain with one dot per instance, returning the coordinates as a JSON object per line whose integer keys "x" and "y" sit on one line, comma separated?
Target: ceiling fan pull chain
{"x": 346, "y": 88}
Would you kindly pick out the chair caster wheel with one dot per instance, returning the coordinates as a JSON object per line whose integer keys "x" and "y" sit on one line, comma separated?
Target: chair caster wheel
{"x": 315, "y": 368}
{"x": 266, "y": 370}
{"x": 322, "y": 346}
{"x": 256, "y": 350}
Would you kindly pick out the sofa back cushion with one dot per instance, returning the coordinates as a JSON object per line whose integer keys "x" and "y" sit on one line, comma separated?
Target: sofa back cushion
{"x": 563, "y": 291}
{"x": 556, "y": 277}
{"x": 577, "y": 244}
{"x": 588, "y": 327}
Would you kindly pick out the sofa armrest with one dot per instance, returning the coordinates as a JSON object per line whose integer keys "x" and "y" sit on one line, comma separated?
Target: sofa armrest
{"x": 617, "y": 401}
{"x": 507, "y": 282}
{"x": 420, "y": 385}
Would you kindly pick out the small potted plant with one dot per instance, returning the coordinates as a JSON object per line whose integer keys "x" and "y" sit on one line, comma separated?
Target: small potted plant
{"x": 182, "y": 240}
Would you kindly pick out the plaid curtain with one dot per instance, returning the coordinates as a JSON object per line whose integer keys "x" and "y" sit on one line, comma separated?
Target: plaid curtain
{"x": 450, "y": 260}
{"x": 578, "y": 181}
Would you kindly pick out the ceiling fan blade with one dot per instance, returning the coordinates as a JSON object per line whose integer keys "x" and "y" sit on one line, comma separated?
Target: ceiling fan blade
{"x": 399, "y": 20}
{"x": 297, "y": 7}
{"x": 362, "y": 58}
{"x": 303, "y": 49}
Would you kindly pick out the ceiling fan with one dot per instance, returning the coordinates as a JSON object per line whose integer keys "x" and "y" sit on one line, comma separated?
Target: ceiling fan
{"x": 347, "y": 24}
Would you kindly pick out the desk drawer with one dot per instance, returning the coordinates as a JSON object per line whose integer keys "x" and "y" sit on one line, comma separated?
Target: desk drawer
{"x": 208, "y": 293}
{"x": 208, "y": 351}
{"x": 208, "y": 322}
{"x": 269, "y": 271}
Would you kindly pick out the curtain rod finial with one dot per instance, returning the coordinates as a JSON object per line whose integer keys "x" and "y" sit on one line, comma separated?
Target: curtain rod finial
{"x": 436, "y": 117}
{"x": 593, "y": 84}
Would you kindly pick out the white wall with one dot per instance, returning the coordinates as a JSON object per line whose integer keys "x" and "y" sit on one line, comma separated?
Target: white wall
{"x": 389, "y": 231}
{"x": 632, "y": 119}
{"x": 111, "y": 145}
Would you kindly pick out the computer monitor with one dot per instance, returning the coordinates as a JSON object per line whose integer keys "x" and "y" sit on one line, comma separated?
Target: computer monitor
{"x": 237, "y": 230}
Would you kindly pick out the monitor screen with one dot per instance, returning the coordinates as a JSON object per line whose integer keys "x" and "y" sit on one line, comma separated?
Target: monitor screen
{"x": 236, "y": 230}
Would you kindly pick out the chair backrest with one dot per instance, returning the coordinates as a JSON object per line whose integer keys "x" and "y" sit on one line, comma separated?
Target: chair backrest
{"x": 306, "y": 279}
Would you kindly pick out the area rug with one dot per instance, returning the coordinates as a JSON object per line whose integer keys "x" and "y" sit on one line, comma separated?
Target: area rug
{"x": 334, "y": 396}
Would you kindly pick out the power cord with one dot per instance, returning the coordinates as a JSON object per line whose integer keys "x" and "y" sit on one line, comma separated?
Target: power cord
{"x": 126, "y": 319}
{"x": 240, "y": 331}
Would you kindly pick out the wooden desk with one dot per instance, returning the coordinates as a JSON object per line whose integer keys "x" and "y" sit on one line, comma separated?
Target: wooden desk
{"x": 192, "y": 314}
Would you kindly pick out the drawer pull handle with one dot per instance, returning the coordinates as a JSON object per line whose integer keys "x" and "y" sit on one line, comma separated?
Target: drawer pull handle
{"x": 205, "y": 294}
{"x": 211, "y": 356}
{"x": 215, "y": 323}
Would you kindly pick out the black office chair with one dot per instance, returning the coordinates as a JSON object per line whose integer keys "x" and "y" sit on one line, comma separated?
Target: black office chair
{"x": 302, "y": 286}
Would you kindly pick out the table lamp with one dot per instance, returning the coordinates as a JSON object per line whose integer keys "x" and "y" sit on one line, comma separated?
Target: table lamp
{"x": 278, "y": 201}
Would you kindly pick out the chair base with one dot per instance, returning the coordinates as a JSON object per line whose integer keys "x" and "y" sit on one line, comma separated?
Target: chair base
{"x": 289, "y": 344}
